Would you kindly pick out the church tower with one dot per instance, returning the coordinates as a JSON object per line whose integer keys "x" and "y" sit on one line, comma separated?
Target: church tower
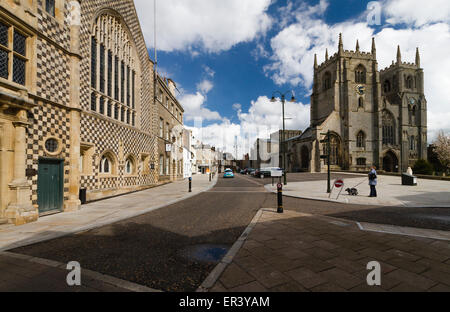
{"x": 404, "y": 110}
{"x": 345, "y": 100}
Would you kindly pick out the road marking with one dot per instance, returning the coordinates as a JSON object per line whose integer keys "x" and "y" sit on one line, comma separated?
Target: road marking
{"x": 405, "y": 231}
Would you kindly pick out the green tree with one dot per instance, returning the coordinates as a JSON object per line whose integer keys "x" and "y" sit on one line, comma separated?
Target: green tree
{"x": 423, "y": 167}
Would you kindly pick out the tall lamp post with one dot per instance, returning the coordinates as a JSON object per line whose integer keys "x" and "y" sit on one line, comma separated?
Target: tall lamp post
{"x": 283, "y": 143}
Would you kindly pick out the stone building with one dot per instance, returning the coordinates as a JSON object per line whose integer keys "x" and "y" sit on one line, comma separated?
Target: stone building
{"x": 170, "y": 131}
{"x": 374, "y": 117}
{"x": 76, "y": 105}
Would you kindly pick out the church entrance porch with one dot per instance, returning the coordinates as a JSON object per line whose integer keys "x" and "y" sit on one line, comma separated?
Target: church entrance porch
{"x": 390, "y": 162}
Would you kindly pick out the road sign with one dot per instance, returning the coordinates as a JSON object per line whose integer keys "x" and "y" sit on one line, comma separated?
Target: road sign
{"x": 279, "y": 186}
{"x": 339, "y": 183}
{"x": 276, "y": 173}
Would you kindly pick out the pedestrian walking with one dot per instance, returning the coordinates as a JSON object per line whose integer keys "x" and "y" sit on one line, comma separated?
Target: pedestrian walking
{"x": 373, "y": 181}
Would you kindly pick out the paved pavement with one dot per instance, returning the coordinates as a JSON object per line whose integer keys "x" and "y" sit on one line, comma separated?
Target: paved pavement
{"x": 298, "y": 252}
{"x": 176, "y": 248}
{"x": 100, "y": 213}
{"x": 428, "y": 193}
{"x": 27, "y": 274}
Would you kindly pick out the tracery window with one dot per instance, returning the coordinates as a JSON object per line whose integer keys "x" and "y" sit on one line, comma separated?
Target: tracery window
{"x": 327, "y": 81}
{"x": 388, "y": 128}
{"x": 113, "y": 70}
{"x": 361, "y": 139}
{"x": 387, "y": 86}
{"x": 360, "y": 74}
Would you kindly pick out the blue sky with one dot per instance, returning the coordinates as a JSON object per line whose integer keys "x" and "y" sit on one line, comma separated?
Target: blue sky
{"x": 227, "y": 57}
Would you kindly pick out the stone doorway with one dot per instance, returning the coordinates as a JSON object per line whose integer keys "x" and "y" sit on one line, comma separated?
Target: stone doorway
{"x": 390, "y": 162}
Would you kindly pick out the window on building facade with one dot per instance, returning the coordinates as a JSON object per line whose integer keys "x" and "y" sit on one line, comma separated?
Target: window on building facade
{"x": 412, "y": 143}
{"x": 387, "y": 86}
{"x": 113, "y": 68}
{"x": 50, "y": 7}
{"x": 161, "y": 165}
{"x": 327, "y": 81}
{"x": 161, "y": 128}
{"x": 167, "y": 166}
{"x": 361, "y": 140}
{"x": 13, "y": 57}
{"x": 361, "y": 102}
{"x": 335, "y": 152}
{"x": 409, "y": 82}
{"x": 109, "y": 109}
{"x": 360, "y": 74}
{"x": 106, "y": 165}
{"x": 167, "y": 131}
{"x": 129, "y": 166}
{"x": 388, "y": 128}
{"x": 361, "y": 162}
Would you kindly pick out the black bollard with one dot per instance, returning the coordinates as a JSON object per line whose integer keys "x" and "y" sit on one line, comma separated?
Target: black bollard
{"x": 190, "y": 185}
{"x": 280, "y": 198}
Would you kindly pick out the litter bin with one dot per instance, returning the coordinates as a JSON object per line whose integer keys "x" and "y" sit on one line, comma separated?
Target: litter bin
{"x": 83, "y": 196}
{"x": 409, "y": 180}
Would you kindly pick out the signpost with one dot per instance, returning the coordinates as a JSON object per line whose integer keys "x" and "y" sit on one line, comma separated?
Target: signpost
{"x": 327, "y": 157}
{"x": 276, "y": 173}
{"x": 339, "y": 184}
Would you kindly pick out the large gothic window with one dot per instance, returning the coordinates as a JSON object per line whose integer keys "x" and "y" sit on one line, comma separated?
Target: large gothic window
{"x": 387, "y": 86}
{"x": 113, "y": 70}
{"x": 361, "y": 139}
{"x": 335, "y": 152}
{"x": 388, "y": 128}
{"x": 409, "y": 82}
{"x": 360, "y": 74}
{"x": 327, "y": 81}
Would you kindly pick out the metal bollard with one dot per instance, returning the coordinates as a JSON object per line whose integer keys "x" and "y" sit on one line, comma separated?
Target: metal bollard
{"x": 280, "y": 198}
{"x": 190, "y": 185}
{"x": 210, "y": 177}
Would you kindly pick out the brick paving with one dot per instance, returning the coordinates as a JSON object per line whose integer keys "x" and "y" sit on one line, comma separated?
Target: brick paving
{"x": 295, "y": 252}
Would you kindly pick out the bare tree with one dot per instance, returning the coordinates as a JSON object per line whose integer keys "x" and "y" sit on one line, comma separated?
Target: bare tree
{"x": 442, "y": 149}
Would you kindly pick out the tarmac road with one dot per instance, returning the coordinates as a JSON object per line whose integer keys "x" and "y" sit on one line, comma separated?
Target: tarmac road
{"x": 175, "y": 248}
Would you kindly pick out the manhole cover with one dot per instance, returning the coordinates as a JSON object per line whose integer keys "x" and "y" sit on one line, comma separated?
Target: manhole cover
{"x": 205, "y": 253}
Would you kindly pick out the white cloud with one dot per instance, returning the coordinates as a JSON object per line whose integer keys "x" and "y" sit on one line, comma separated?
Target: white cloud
{"x": 416, "y": 12}
{"x": 262, "y": 118}
{"x": 211, "y": 26}
{"x": 194, "y": 106}
{"x": 293, "y": 48}
{"x": 205, "y": 86}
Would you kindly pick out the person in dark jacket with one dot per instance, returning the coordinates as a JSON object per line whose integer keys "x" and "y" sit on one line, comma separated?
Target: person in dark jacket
{"x": 373, "y": 181}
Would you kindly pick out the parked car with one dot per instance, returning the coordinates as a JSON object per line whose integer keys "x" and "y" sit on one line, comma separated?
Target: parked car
{"x": 251, "y": 171}
{"x": 228, "y": 174}
{"x": 266, "y": 172}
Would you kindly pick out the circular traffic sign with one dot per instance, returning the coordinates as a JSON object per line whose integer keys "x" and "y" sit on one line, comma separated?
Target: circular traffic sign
{"x": 339, "y": 183}
{"x": 279, "y": 186}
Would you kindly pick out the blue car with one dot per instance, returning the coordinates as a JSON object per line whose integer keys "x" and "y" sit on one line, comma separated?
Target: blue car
{"x": 228, "y": 174}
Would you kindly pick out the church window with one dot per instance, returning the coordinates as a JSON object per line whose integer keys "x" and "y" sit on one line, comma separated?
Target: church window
{"x": 361, "y": 139}
{"x": 106, "y": 165}
{"x": 387, "y": 86}
{"x": 360, "y": 74}
{"x": 129, "y": 166}
{"x": 388, "y": 128}
{"x": 161, "y": 165}
{"x": 327, "y": 81}
{"x": 161, "y": 128}
{"x": 361, "y": 162}
{"x": 360, "y": 102}
{"x": 113, "y": 68}
{"x": 335, "y": 152}
{"x": 412, "y": 143}
{"x": 409, "y": 82}
{"x": 109, "y": 109}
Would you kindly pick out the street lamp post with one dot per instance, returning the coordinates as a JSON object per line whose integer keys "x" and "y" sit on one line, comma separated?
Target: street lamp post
{"x": 283, "y": 141}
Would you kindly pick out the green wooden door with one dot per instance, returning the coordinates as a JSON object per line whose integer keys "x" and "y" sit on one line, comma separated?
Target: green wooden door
{"x": 50, "y": 185}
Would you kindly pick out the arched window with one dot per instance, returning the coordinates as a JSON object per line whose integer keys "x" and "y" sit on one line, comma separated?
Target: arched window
{"x": 388, "y": 128}
{"x": 409, "y": 82}
{"x": 327, "y": 81}
{"x": 361, "y": 139}
{"x": 361, "y": 102}
{"x": 412, "y": 143}
{"x": 387, "y": 86}
{"x": 129, "y": 166}
{"x": 114, "y": 66}
{"x": 360, "y": 74}
{"x": 105, "y": 165}
{"x": 335, "y": 152}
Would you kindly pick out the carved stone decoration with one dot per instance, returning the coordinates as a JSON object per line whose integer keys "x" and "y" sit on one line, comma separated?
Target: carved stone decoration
{"x": 74, "y": 18}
